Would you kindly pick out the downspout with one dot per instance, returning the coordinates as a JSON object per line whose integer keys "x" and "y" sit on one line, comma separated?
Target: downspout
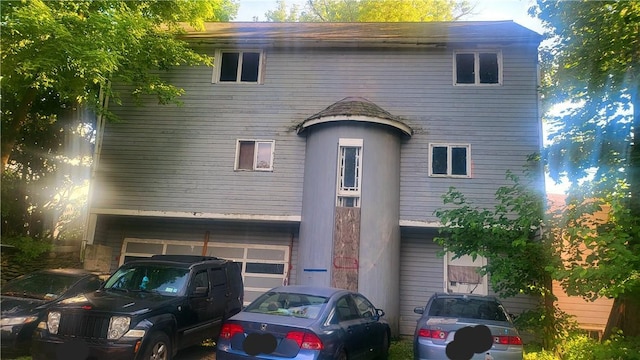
{"x": 91, "y": 219}
{"x": 287, "y": 279}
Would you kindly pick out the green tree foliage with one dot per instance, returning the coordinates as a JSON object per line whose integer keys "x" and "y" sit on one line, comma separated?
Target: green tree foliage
{"x": 371, "y": 11}
{"x": 592, "y": 67}
{"x": 58, "y": 59}
{"x": 57, "y": 54}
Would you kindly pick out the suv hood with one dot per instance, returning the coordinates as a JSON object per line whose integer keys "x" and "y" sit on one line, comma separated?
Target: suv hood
{"x": 18, "y": 306}
{"x": 111, "y": 301}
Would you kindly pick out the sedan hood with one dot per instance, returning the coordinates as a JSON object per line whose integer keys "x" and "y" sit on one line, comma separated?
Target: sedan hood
{"x": 110, "y": 301}
{"x": 17, "y": 306}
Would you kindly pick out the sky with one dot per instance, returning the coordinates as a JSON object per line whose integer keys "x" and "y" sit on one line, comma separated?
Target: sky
{"x": 485, "y": 10}
{"x": 515, "y": 10}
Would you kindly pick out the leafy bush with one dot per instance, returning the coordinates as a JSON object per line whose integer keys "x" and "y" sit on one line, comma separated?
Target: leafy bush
{"x": 540, "y": 355}
{"x": 28, "y": 247}
{"x": 582, "y": 347}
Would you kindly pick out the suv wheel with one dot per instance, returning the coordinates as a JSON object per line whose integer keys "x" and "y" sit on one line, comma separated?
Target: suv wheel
{"x": 342, "y": 355}
{"x": 159, "y": 347}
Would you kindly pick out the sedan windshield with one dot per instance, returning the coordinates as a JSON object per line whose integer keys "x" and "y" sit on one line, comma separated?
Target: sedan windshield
{"x": 468, "y": 308}
{"x": 39, "y": 285}
{"x": 288, "y": 304}
{"x": 159, "y": 279}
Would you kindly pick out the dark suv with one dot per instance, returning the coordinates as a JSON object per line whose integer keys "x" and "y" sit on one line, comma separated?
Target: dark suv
{"x": 148, "y": 309}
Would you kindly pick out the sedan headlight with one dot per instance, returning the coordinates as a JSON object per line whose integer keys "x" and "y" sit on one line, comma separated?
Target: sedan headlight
{"x": 17, "y": 320}
{"x": 53, "y": 321}
{"x": 118, "y": 326}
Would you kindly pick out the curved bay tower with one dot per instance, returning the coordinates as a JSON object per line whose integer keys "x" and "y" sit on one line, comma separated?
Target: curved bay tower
{"x": 349, "y": 233}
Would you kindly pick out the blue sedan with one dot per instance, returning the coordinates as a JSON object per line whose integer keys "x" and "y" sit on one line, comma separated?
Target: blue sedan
{"x": 306, "y": 322}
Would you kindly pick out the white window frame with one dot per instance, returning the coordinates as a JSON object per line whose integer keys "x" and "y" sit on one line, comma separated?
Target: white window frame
{"x": 343, "y": 193}
{"x": 450, "y": 159}
{"x": 476, "y": 67}
{"x": 255, "y": 154}
{"x": 218, "y": 66}
{"x": 470, "y": 288}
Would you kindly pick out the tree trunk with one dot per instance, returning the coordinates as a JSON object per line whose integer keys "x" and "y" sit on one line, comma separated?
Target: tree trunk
{"x": 15, "y": 123}
{"x": 625, "y": 313}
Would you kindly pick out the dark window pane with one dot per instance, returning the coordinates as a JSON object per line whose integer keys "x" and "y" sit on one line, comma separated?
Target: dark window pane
{"x": 488, "y": 68}
{"x": 245, "y": 157}
{"x": 464, "y": 69}
{"x": 459, "y": 161}
{"x": 348, "y": 202}
{"x": 261, "y": 268}
{"x": 349, "y": 179}
{"x": 466, "y": 308}
{"x": 439, "y": 160}
{"x": 250, "y": 64}
{"x": 201, "y": 280}
{"x": 219, "y": 277}
{"x": 229, "y": 67}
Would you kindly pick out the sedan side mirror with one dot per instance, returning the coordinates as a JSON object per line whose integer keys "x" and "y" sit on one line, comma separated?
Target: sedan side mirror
{"x": 418, "y": 310}
{"x": 380, "y": 313}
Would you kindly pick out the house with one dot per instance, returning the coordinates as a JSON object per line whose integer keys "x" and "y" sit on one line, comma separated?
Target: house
{"x": 316, "y": 153}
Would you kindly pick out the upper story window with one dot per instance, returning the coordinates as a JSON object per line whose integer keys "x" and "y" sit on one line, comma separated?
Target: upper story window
{"x": 255, "y": 155}
{"x": 478, "y": 68}
{"x": 349, "y": 172}
{"x": 233, "y": 66}
{"x": 449, "y": 160}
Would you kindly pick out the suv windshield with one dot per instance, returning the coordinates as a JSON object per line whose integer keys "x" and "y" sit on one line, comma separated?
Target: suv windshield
{"x": 161, "y": 279}
{"x": 43, "y": 286}
{"x": 288, "y": 304}
{"x": 467, "y": 308}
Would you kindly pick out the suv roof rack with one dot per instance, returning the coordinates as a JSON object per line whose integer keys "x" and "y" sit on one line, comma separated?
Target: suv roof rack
{"x": 186, "y": 258}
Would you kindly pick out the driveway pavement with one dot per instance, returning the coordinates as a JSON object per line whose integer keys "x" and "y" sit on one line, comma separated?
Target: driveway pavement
{"x": 197, "y": 353}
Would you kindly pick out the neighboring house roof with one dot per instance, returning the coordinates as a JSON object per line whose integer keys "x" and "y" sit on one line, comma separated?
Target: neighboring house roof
{"x": 355, "y": 109}
{"x": 379, "y": 33}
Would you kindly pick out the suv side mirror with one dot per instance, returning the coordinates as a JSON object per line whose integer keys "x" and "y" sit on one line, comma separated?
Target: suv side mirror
{"x": 418, "y": 310}
{"x": 379, "y": 313}
{"x": 201, "y": 291}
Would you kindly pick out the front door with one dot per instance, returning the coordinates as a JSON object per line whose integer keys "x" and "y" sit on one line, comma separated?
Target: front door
{"x": 354, "y": 327}
{"x": 200, "y": 322}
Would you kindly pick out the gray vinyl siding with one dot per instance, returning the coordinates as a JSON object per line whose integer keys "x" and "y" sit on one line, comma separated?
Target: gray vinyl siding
{"x": 169, "y": 158}
{"x": 421, "y": 275}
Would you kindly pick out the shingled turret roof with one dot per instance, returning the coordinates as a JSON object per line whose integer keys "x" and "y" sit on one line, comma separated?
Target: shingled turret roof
{"x": 356, "y": 109}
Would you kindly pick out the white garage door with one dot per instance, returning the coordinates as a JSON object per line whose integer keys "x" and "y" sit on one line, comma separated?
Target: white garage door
{"x": 263, "y": 266}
